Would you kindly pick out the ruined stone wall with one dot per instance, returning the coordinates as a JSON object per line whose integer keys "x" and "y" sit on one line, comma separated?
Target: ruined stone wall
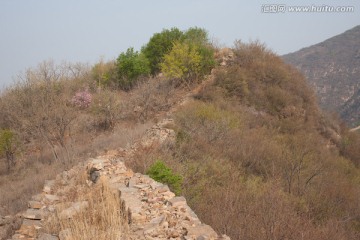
{"x": 151, "y": 210}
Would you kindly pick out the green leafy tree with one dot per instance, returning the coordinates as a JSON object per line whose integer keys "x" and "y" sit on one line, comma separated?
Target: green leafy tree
{"x": 190, "y": 58}
{"x": 161, "y": 173}
{"x": 159, "y": 45}
{"x": 199, "y": 37}
{"x": 183, "y": 62}
{"x": 8, "y": 146}
{"x": 207, "y": 59}
{"x": 131, "y": 66}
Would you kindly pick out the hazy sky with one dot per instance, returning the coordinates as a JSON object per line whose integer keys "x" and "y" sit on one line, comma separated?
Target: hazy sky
{"x": 85, "y": 30}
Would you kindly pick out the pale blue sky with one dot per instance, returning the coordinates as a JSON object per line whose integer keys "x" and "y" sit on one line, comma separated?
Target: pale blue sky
{"x": 85, "y": 30}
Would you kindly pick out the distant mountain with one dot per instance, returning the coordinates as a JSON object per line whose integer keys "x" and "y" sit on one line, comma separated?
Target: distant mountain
{"x": 332, "y": 68}
{"x": 350, "y": 110}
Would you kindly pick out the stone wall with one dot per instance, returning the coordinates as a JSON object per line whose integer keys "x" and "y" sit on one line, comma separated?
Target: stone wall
{"x": 152, "y": 211}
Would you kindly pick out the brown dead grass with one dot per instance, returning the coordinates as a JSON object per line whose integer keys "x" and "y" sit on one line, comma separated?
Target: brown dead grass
{"x": 17, "y": 187}
{"x": 103, "y": 219}
{"x": 132, "y": 114}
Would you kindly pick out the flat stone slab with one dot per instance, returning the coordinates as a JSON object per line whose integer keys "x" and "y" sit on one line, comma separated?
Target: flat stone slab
{"x": 177, "y": 201}
{"x": 155, "y": 185}
{"x": 29, "y": 222}
{"x": 202, "y": 231}
{"x": 132, "y": 202}
{"x": 116, "y": 179}
{"x": 127, "y": 190}
{"x": 96, "y": 164}
{"x": 33, "y": 214}
{"x": 74, "y": 209}
{"x": 141, "y": 186}
{"x": 35, "y": 205}
{"x": 45, "y": 236}
{"x": 37, "y": 197}
{"x": 48, "y": 186}
{"x": 28, "y": 229}
{"x": 133, "y": 181}
{"x": 52, "y": 198}
{"x": 21, "y": 237}
{"x": 157, "y": 220}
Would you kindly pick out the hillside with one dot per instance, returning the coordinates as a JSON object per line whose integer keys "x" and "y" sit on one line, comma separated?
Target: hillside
{"x": 236, "y": 131}
{"x": 332, "y": 68}
{"x": 350, "y": 110}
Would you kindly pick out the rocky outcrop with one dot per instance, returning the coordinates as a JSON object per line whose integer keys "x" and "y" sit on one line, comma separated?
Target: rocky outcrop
{"x": 224, "y": 56}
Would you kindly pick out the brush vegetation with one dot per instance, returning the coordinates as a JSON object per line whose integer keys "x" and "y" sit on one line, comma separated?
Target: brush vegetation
{"x": 258, "y": 158}
{"x": 254, "y": 156}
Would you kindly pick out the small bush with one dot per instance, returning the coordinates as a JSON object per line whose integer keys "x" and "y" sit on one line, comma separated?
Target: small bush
{"x": 106, "y": 109}
{"x": 149, "y": 99}
{"x": 208, "y": 121}
{"x": 105, "y": 74}
{"x": 8, "y": 146}
{"x": 235, "y": 83}
{"x": 160, "y": 172}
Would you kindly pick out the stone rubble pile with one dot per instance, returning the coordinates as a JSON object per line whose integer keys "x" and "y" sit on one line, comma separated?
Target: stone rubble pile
{"x": 8, "y": 224}
{"x": 151, "y": 209}
{"x": 43, "y": 205}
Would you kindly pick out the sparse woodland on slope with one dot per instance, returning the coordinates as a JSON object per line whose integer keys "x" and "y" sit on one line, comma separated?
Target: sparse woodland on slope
{"x": 254, "y": 156}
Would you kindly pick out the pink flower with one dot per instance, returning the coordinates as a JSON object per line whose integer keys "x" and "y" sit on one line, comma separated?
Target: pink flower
{"x": 82, "y": 99}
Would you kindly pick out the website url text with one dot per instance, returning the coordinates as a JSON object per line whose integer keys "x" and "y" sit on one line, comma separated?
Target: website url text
{"x": 283, "y": 8}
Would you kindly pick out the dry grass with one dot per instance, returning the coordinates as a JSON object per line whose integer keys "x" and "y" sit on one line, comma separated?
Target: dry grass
{"x": 124, "y": 134}
{"x": 17, "y": 187}
{"x": 103, "y": 219}
{"x": 143, "y": 158}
